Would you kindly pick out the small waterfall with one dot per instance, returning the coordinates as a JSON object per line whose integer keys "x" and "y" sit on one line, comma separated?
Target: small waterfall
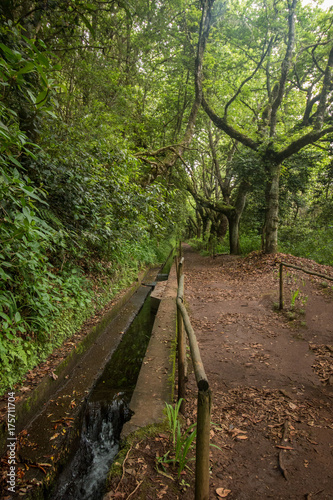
{"x": 99, "y": 444}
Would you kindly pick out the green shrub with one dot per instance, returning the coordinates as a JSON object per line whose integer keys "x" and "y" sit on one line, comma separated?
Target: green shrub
{"x": 249, "y": 242}
{"x": 315, "y": 244}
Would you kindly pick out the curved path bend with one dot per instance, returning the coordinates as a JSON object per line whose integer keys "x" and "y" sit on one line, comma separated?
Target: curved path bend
{"x": 270, "y": 373}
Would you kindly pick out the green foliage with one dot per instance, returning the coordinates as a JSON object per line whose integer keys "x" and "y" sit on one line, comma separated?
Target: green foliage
{"x": 294, "y": 295}
{"x": 249, "y": 241}
{"x": 72, "y": 209}
{"x": 315, "y": 244}
{"x": 181, "y": 442}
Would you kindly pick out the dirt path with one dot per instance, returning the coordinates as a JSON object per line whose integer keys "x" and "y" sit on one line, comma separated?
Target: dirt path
{"x": 272, "y": 379}
{"x": 260, "y": 365}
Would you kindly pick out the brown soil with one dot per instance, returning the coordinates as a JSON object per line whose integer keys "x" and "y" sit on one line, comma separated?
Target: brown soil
{"x": 271, "y": 373}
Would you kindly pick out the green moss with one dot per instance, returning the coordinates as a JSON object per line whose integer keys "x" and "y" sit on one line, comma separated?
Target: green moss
{"x": 130, "y": 442}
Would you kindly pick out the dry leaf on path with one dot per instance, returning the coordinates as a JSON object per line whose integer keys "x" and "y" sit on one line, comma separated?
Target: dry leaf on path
{"x": 222, "y": 492}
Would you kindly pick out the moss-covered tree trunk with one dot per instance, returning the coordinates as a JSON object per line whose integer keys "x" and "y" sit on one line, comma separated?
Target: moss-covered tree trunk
{"x": 234, "y": 234}
{"x": 234, "y": 217}
{"x": 272, "y": 211}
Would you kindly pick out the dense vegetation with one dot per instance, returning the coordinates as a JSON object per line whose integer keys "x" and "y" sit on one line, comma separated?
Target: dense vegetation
{"x": 124, "y": 126}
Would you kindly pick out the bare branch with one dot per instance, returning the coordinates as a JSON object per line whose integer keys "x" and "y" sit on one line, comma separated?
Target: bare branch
{"x": 259, "y": 64}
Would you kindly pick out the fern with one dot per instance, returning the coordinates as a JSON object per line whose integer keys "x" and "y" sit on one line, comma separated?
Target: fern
{"x": 49, "y": 217}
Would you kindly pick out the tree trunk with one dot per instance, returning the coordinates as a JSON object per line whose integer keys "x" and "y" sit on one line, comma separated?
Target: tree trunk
{"x": 234, "y": 233}
{"x": 206, "y": 225}
{"x": 199, "y": 223}
{"x": 272, "y": 211}
{"x": 235, "y": 216}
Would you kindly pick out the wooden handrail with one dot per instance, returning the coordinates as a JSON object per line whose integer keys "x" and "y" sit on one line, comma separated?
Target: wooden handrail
{"x": 199, "y": 371}
{"x": 204, "y": 392}
{"x": 307, "y": 271}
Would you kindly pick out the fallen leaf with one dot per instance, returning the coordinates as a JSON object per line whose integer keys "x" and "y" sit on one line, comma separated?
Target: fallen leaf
{"x": 54, "y": 436}
{"x": 222, "y": 492}
{"x": 132, "y": 472}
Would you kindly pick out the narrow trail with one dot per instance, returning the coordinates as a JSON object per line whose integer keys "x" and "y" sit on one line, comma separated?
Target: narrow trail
{"x": 271, "y": 374}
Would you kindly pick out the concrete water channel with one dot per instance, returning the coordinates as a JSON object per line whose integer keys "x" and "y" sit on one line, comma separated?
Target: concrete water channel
{"x": 67, "y": 447}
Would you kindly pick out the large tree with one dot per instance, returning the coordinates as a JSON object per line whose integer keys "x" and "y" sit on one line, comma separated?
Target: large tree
{"x": 219, "y": 182}
{"x": 268, "y": 82}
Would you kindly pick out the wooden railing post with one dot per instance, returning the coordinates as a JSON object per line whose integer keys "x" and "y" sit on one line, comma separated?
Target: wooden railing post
{"x": 181, "y": 341}
{"x": 281, "y": 286}
{"x": 204, "y": 392}
{"x": 202, "y": 446}
{"x": 306, "y": 271}
{"x": 181, "y": 362}
{"x": 180, "y": 269}
{"x": 180, "y": 252}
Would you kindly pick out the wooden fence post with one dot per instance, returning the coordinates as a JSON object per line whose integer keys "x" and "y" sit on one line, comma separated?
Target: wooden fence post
{"x": 281, "y": 286}
{"x": 181, "y": 341}
{"x": 202, "y": 446}
{"x": 181, "y": 361}
{"x": 204, "y": 393}
{"x": 180, "y": 269}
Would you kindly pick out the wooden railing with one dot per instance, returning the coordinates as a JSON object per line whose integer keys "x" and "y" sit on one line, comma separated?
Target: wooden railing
{"x": 204, "y": 401}
{"x": 307, "y": 271}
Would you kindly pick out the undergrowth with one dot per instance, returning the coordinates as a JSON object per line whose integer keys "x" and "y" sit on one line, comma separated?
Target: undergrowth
{"x": 247, "y": 242}
{"x": 314, "y": 244}
{"x": 62, "y": 303}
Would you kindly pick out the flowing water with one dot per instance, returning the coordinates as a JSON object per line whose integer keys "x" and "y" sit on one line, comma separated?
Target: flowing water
{"x": 105, "y": 413}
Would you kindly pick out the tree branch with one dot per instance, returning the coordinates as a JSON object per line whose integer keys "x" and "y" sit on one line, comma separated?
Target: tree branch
{"x": 300, "y": 143}
{"x": 324, "y": 92}
{"x": 248, "y": 78}
{"x": 285, "y": 67}
{"x": 222, "y": 124}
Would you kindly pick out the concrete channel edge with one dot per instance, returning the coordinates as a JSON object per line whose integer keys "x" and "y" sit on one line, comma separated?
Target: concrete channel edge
{"x": 156, "y": 378}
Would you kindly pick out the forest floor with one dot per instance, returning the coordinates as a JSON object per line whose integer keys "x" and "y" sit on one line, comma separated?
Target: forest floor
{"x": 271, "y": 373}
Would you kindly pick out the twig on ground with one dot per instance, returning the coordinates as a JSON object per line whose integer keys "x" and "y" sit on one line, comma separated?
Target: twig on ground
{"x": 137, "y": 486}
{"x": 123, "y": 474}
{"x": 283, "y": 450}
{"x": 310, "y": 495}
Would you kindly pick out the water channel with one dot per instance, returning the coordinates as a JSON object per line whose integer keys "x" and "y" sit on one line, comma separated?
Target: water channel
{"x": 105, "y": 412}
